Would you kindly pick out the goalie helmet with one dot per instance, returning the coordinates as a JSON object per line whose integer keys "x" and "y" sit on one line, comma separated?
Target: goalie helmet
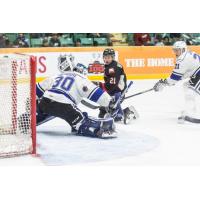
{"x": 65, "y": 63}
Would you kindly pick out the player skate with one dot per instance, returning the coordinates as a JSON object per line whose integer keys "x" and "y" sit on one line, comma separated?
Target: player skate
{"x": 187, "y": 119}
{"x": 126, "y": 115}
{"x": 130, "y": 114}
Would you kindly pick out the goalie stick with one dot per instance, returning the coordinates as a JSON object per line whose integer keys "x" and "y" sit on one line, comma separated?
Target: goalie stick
{"x": 92, "y": 106}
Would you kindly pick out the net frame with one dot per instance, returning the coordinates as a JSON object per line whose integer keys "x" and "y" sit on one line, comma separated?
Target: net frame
{"x": 32, "y": 104}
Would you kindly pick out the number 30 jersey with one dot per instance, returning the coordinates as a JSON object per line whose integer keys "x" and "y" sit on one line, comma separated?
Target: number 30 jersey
{"x": 71, "y": 88}
{"x": 187, "y": 65}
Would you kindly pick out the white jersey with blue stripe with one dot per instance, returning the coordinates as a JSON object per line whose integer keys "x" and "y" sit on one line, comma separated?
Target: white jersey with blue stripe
{"x": 71, "y": 88}
{"x": 186, "y": 66}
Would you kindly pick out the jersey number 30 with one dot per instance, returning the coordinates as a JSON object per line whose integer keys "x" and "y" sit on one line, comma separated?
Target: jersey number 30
{"x": 64, "y": 83}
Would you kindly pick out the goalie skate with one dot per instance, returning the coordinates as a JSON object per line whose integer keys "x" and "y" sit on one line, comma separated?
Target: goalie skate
{"x": 130, "y": 114}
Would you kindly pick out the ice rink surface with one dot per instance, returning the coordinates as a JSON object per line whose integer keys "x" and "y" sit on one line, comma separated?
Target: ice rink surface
{"x": 154, "y": 139}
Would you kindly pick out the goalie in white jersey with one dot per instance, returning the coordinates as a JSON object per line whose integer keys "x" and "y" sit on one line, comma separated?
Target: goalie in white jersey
{"x": 60, "y": 95}
{"x": 187, "y": 66}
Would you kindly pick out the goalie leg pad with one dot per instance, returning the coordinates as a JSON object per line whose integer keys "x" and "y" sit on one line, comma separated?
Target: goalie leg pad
{"x": 100, "y": 128}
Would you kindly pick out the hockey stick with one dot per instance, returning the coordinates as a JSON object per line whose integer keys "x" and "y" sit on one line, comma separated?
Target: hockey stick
{"x": 123, "y": 94}
{"x": 118, "y": 101}
{"x": 88, "y": 104}
{"x": 143, "y": 92}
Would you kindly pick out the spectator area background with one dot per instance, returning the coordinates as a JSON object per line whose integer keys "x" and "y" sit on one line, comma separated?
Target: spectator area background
{"x": 24, "y": 40}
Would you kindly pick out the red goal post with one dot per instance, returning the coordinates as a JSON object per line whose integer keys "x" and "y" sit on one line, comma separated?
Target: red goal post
{"x": 18, "y": 105}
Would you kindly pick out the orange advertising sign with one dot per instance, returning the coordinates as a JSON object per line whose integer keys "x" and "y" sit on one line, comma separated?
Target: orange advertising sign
{"x": 149, "y": 62}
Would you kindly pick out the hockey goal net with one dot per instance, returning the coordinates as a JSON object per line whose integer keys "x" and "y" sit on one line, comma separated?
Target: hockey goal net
{"x": 17, "y": 105}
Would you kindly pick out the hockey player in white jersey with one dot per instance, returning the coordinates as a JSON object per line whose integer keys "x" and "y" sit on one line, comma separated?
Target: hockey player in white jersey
{"x": 187, "y": 67}
{"x": 60, "y": 95}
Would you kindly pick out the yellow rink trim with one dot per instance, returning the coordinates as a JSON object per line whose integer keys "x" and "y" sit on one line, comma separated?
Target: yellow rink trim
{"x": 93, "y": 78}
{"x": 19, "y": 81}
{"x": 129, "y": 77}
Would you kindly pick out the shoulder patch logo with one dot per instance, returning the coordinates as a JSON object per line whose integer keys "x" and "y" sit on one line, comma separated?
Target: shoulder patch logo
{"x": 111, "y": 71}
{"x": 119, "y": 65}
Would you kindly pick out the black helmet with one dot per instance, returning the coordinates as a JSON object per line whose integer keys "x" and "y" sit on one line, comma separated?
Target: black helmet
{"x": 108, "y": 52}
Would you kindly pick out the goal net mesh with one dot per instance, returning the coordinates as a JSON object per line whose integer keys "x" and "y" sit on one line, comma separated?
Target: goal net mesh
{"x": 16, "y": 111}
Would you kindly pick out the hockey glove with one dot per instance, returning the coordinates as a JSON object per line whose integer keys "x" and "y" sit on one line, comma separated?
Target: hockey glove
{"x": 159, "y": 86}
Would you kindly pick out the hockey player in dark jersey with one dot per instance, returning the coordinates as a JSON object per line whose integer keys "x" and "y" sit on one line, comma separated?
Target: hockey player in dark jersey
{"x": 114, "y": 75}
{"x": 115, "y": 83}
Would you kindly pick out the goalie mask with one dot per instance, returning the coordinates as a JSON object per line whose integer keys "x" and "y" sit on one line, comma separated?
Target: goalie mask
{"x": 65, "y": 63}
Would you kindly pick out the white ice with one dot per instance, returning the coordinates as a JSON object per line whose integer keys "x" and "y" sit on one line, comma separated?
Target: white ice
{"x": 154, "y": 139}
